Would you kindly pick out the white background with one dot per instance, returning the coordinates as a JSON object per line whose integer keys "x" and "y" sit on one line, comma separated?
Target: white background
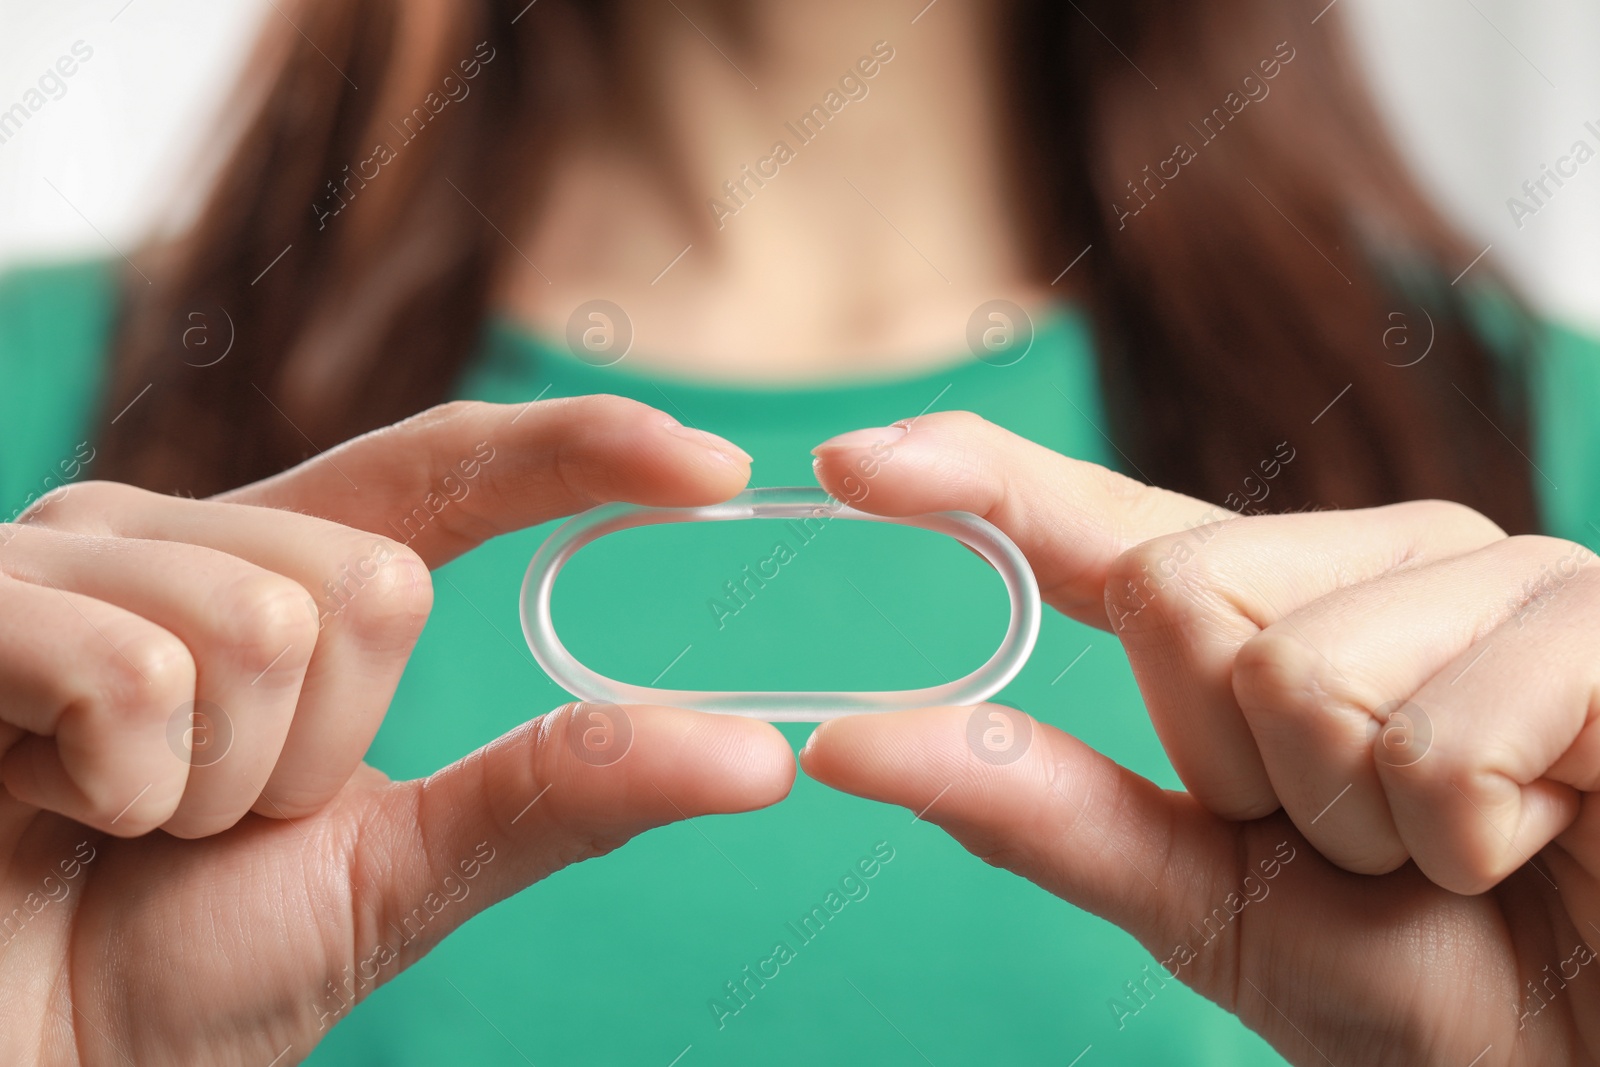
{"x": 1480, "y": 93}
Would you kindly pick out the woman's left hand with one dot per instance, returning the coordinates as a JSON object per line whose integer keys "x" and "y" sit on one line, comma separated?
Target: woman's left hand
{"x": 1385, "y": 719}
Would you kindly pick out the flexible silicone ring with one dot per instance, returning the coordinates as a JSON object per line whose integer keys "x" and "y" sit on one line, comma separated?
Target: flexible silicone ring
{"x": 793, "y": 503}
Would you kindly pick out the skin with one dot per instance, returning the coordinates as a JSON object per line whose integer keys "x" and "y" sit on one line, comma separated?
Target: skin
{"x": 1404, "y": 918}
{"x": 1436, "y": 843}
{"x": 864, "y": 256}
{"x": 119, "y": 836}
{"x": 1425, "y": 866}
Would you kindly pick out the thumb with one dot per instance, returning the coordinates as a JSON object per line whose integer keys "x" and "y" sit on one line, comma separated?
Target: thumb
{"x": 446, "y": 480}
{"x": 1029, "y": 798}
{"x": 568, "y": 786}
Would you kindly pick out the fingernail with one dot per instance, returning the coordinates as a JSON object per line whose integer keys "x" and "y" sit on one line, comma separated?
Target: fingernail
{"x": 710, "y": 441}
{"x": 881, "y": 435}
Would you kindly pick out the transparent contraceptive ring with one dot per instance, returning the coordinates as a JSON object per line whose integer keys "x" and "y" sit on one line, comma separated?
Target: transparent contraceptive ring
{"x": 791, "y": 503}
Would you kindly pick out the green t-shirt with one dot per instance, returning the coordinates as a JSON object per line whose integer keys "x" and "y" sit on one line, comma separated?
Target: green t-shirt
{"x": 626, "y": 959}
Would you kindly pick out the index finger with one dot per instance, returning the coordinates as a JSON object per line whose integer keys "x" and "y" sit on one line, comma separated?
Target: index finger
{"x": 446, "y": 480}
{"x": 1072, "y": 519}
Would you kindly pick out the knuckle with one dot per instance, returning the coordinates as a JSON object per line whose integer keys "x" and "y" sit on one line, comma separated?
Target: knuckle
{"x": 1161, "y": 587}
{"x": 1469, "y": 866}
{"x": 264, "y": 620}
{"x": 574, "y": 845}
{"x": 153, "y": 673}
{"x": 1550, "y": 568}
{"x": 1430, "y": 785}
{"x": 1537, "y": 544}
{"x": 609, "y": 404}
{"x": 1460, "y": 516}
{"x": 119, "y": 801}
{"x": 605, "y": 412}
{"x": 961, "y": 422}
{"x": 51, "y": 505}
{"x": 602, "y": 409}
{"x": 1550, "y": 550}
{"x": 1277, "y": 675}
{"x": 1003, "y": 855}
{"x": 415, "y": 431}
{"x": 88, "y": 505}
{"x": 1134, "y": 496}
{"x": 569, "y": 469}
{"x": 442, "y": 414}
{"x": 67, "y": 502}
{"x": 131, "y": 694}
{"x": 394, "y": 598}
{"x": 98, "y": 491}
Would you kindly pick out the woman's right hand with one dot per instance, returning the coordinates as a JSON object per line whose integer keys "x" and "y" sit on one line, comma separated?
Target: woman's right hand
{"x": 216, "y": 670}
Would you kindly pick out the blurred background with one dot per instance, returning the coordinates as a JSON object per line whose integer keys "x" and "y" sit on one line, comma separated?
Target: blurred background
{"x": 1481, "y": 94}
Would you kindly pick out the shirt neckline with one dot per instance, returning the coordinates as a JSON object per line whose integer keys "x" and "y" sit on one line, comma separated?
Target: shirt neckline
{"x": 1060, "y": 330}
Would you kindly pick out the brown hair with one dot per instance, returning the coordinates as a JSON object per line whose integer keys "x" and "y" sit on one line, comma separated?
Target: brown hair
{"x": 1254, "y": 245}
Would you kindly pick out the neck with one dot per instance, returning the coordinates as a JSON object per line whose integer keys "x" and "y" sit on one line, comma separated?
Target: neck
{"x": 835, "y": 171}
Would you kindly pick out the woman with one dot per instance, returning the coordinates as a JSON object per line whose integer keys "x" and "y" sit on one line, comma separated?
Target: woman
{"x": 1176, "y": 244}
